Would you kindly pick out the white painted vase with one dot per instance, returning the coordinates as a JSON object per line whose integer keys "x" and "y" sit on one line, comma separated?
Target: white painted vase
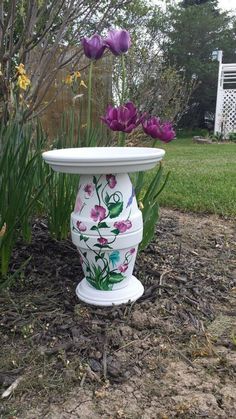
{"x": 106, "y": 224}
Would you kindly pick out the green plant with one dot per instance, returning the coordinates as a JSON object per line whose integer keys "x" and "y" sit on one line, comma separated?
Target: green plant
{"x": 148, "y": 201}
{"x": 232, "y": 136}
{"x": 58, "y": 198}
{"x": 218, "y": 137}
{"x": 19, "y": 160}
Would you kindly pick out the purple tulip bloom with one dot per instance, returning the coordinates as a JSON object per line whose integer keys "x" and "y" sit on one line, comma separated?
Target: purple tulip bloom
{"x": 123, "y": 268}
{"x": 81, "y": 226}
{"x": 98, "y": 213}
{"x": 93, "y": 47}
{"x": 162, "y": 131}
{"x": 102, "y": 241}
{"x": 118, "y": 41}
{"x": 111, "y": 179}
{"x": 123, "y": 118}
{"x": 123, "y": 226}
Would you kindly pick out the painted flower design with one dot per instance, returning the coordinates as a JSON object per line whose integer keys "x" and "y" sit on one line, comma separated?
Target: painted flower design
{"x": 123, "y": 226}
{"x": 132, "y": 251}
{"x": 98, "y": 213}
{"x": 123, "y": 268}
{"x": 111, "y": 179}
{"x": 88, "y": 190}
{"x": 102, "y": 240}
{"x": 114, "y": 257}
{"x": 78, "y": 204}
{"x": 81, "y": 226}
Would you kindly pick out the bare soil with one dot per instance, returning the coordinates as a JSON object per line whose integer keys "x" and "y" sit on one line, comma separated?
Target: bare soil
{"x": 172, "y": 354}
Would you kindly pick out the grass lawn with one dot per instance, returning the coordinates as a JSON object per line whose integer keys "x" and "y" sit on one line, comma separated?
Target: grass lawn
{"x": 203, "y": 177}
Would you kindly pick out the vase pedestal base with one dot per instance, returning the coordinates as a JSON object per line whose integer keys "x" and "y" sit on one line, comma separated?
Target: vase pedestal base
{"x": 131, "y": 292}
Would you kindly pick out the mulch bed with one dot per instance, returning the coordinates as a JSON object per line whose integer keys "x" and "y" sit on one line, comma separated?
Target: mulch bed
{"x": 54, "y": 342}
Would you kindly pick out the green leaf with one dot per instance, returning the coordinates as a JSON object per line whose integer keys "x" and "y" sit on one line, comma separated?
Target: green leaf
{"x": 115, "y": 277}
{"x": 107, "y": 199}
{"x": 86, "y": 238}
{"x": 150, "y": 217}
{"x": 115, "y": 208}
{"x": 102, "y": 246}
{"x": 115, "y": 231}
{"x": 94, "y": 180}
{"x": 103, "y": 225}
{"x": 94, "y": 228}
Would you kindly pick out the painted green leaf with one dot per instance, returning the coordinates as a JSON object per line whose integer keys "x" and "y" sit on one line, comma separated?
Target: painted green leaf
{"x": 94, "y": 180}
{"x": 102, "y": 246}
{"x": 115, "y": 208}
{"x": 93, "y": 228}
{"x": 107, "y": 199}
{"x": 115, "y": 277}
{"x": 86, "y": 238}
{"x": 102, "y": 225}
{"x": 115, "y": 231}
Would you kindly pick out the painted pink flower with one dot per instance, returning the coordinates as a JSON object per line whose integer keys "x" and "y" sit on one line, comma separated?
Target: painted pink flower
{"x": 132, "y": 251}
{"x": 98, "y": 213}
{"x": 123, "y": 268}
{"x": 78, "y": 204}
{"x": 81, "y": 226}
{"x": 88, "y": 190}
{"x": 123, "y": 226}
{"x": 111, "y": 179}
{"x": 102, "y": 240}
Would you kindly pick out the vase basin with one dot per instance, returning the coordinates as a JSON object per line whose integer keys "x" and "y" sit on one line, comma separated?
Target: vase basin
{"x": 102, "y": 160}
{"x": 133, "y": 290}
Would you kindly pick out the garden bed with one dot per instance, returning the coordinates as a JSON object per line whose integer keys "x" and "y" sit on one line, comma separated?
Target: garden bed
{"x": 172, "y": 354}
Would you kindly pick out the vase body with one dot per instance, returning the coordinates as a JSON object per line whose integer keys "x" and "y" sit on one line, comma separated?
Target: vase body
{"x": 106, "y": 228}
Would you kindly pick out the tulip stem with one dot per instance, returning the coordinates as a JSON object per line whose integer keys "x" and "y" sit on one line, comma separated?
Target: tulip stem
{"x": 123, "y": 91}
{"x": 89, "y": 103}
{"x": 154, "y": 143}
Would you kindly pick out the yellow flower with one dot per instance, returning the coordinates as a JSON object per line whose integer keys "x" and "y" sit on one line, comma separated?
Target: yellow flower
{"x": 21, "y": 69}
{"x": 23, "y": 81}
{"x": 3, "y": 230}
{"x": 82, "y": 83}
{"x": 69, "y": 79}
{"x": 77, "y": 74}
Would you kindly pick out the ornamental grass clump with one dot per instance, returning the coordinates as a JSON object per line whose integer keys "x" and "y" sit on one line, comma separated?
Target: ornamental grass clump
{"x": 19, "y": 160}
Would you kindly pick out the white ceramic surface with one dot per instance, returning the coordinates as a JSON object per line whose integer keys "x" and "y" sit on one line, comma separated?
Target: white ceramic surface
{"x": 106, "y": 228}
{"x": 106, "y": 224}
{"x": 101, "y": 160}
{"x": 133, "y": 290}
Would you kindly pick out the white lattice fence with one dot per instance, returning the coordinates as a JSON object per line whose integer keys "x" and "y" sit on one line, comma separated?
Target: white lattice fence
{"x": 229, "y": 111}
{"x": 225, "y": 118}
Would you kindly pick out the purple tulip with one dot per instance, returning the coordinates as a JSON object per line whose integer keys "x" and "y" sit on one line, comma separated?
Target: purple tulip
{"x": 118, "y": 41}
{"x": 123, "y": 118}
{"x": 162, "y": 131}
{"x": 93, "y": 47}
